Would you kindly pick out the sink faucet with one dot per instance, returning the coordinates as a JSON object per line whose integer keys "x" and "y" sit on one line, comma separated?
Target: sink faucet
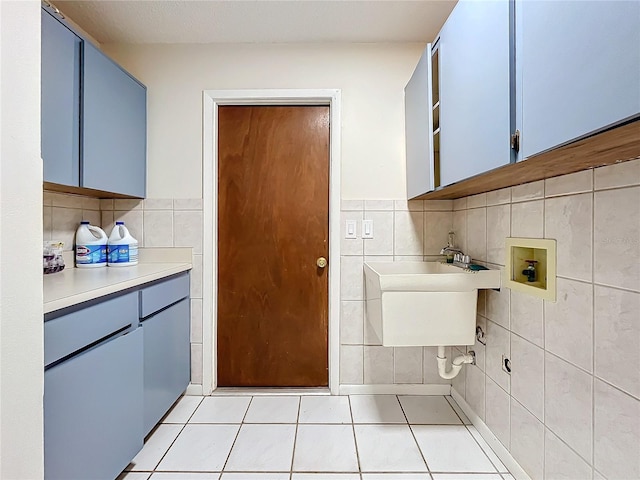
{"x": 449, "y": 249}
{"x": 454, "y": 255}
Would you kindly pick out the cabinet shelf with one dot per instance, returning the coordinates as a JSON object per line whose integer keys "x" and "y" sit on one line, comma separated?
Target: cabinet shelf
{"x": 436, "y": 116}
{"x": 617, "y": 145}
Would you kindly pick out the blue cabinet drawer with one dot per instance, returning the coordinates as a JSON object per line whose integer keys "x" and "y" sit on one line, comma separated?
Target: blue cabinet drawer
{"x": 93, "y": 411}
{"x": 166, "y": 360}
{"x": 73, "y": 331}
{"x": 164, "y": 293}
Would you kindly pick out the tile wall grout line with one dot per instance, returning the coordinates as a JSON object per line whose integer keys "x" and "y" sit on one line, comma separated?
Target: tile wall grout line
{"x": 568, "y": 446}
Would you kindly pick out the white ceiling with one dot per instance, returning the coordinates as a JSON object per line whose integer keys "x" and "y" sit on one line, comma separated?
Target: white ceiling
{"x": 258, "y": 21}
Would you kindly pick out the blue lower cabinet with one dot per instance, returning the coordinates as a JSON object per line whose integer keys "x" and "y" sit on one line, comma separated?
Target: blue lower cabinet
{"x": 93, "y": 411}
{"x": 166, "y": 360}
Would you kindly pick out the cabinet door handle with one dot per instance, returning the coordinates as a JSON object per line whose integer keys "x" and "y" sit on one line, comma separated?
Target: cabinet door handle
{"x": 515, "y": 141}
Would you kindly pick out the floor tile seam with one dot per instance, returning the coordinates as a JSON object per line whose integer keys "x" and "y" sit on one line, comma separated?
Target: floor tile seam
{"x": 413, "y": 435}
{"x": 355, "y": 439}
{"x": 447, "y": 397}
{"x": 246, "y": 411}
{"x": 468, "y": 472}
{"x": 295, "y": 438}
{"x": 497, "y": 470}
{"x": 170, "y": 445}
{"x": 340, "y": 472}
{"x": 316, "y": 423}
{"x": 194, "y": 410}
{"x": 183, "y": 471}
{"x": 233, "y": 444}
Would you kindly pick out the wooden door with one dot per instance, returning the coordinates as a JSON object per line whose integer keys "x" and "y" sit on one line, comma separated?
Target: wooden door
{"x": 273, "y": 224}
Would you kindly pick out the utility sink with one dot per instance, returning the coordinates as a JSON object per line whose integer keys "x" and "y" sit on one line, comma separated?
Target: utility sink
{"x": 424, "y": 303}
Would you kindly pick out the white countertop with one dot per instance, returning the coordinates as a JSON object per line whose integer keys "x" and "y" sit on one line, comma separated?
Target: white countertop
{"x": 77, "y": 285}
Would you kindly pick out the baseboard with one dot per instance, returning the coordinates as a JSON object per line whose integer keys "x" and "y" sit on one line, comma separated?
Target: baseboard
{"x": 276, "y": 391}
{"x": 386, "y": 389}
{"x": 194, "y": 389}
{"x": 503, "y": 454}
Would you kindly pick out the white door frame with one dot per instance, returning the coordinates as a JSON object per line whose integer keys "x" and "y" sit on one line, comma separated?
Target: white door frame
{"x": 211, "y": 100}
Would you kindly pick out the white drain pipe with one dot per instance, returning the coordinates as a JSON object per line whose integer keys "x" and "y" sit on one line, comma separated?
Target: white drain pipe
{"x": 456, "y": 364}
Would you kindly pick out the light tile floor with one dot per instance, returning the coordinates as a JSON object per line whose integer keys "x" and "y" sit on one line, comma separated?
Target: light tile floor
{"x": 357, "y": 437}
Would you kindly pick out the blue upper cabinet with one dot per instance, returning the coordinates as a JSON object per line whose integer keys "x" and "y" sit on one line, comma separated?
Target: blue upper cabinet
{"x": 94, "y": 117}
{"x": 114, "y": 127}
{"x": 418, "y": 124}
{"x": 578, "y": 69}
{"x": 60, "y": 102}
{"x": 475, "y": 89}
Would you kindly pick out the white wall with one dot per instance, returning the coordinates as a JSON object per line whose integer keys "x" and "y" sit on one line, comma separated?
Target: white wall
{"x": 21, "y": 326}
{"x": 371, "y": 76}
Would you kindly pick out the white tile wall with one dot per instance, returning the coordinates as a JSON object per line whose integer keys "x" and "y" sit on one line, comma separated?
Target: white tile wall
{"x": 498, "y": 228}
{"x": 477, "y": 234}
{"x": 403, "y": 231}
{"x": 568, "y": 404}
{"x": 574, "y": 407}
{"x": 497, "y": 412}
{"x": 617, "y": 238}
{"x": 378, "y": 365}
{"x": 527, "y": 375}
{"x": 527, "y": 441}
{"x": 562, "y": 463}
{"x": 527, "y": 219}
{"x": 569, "y": 220}
{"x": 617, "y": 432}
{"x": 498, "y": 345}
{"x": 617, "y": 331}
{"x": 527, "y": 317}
{"x": 408, "y": 365}
{"x": 568, "y": 323}
{"x": 408, "y": 233}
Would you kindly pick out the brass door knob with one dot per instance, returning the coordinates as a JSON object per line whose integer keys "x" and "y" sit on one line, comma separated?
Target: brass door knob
{"x": 321, "y": 262}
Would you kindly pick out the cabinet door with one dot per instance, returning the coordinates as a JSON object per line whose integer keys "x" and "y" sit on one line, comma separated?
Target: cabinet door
{"x": 60, "y": 103}
{"x": 114, "y": 127}
{"x": 579, "y": 64}
{"x": 418, "y": 126}
{"x": 166, "y": 360}
{"x": 93, "y": 411}
{"x": 475, "y": 101}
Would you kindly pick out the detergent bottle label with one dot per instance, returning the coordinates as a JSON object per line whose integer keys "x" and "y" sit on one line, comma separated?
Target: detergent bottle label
{"x": 123, "y": 253}
{"x": 91, "y": 254}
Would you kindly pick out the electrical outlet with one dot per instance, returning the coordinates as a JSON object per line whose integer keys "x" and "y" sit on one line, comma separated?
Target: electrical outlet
{"x": 506, "y": 365}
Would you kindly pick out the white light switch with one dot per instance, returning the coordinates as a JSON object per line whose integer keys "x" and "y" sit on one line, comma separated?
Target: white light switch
{"x": 367, "y": 229}
{"x": 350, "y": 229}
